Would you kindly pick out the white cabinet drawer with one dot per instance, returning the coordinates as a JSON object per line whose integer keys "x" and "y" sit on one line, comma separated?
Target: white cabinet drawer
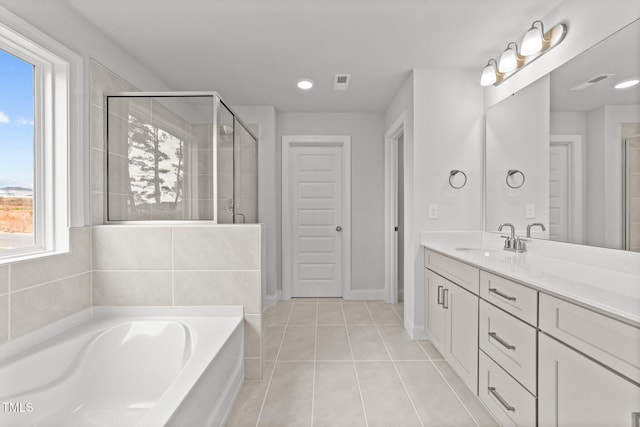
{"x": 510, "y": 403}
{"x": 510, "y": 296}
{"x": 510, "y": 342}
{"x": 609, "y": 341}
{"x": 458, "y": 272}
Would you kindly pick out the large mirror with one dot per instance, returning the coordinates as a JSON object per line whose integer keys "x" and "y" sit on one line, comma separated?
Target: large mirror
{"x": 564, "y": 152}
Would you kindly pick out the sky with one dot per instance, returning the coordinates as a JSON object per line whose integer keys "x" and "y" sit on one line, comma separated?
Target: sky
{"x": 16, "y": 122}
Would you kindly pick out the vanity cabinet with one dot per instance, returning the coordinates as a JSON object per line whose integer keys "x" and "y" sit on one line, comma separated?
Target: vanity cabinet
{"x": 451, "y": 319}
{"x": 589, "y": 367}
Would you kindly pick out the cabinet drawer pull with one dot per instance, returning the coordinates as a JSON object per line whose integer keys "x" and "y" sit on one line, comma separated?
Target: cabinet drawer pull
{"x": 500, "y": 294}
{"x": 445, "y": 298}
{"x": 503, "y": 402}
{"x": 501, "y": 341}
{"x": 440, "y": 294}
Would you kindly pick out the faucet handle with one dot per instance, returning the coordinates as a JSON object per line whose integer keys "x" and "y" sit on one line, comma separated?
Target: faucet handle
{"x": 519, "y": 245}
{"x": 507, "y": 242}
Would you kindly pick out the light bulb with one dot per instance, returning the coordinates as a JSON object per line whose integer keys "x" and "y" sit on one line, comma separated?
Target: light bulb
{"x": 305, "y": 84}
{"x": 627, "y": 84}
{"x": 532, "y": 41}
{"x": 509, "y": 59}
{"x": 488, "y": 76}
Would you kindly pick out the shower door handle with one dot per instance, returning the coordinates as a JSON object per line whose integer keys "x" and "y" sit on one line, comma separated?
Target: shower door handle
{"x": 338, "y": 228}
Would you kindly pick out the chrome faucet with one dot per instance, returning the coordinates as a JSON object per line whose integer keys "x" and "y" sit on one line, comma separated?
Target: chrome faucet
{"x": 539, "y": 224}
{"x": 511, "y": 242}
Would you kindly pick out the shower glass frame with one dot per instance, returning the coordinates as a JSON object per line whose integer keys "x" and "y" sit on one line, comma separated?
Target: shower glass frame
{"x": 216, "y": 104}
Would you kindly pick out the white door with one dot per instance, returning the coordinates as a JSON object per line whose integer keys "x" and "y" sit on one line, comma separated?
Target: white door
{"x": 314, "y": 215}
{"x": 559, "y": 192}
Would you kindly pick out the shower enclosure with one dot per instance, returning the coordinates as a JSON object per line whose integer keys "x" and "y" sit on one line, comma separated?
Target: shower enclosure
{"x": 178, "y": 157}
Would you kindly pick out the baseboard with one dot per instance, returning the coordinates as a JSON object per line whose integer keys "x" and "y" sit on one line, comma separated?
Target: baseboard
{"x": 273, "y": 299}
{"x": 366, "y": 294}
{"x": 415, "y": 332}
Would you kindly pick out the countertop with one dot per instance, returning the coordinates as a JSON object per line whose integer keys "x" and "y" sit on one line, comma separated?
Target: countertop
{"x": 610, "y": 292}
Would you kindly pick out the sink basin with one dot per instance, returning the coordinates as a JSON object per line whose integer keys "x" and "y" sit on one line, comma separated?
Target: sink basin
{"x": 495, "y": 253}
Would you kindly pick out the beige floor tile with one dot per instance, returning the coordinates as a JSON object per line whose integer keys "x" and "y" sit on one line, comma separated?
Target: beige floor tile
{"x": 336, "y": 396}
{"x": 431, "y": 350}
{"x": 366, "y": 343}
{"x": 298, "y": 343}
{"x": 356, "y": 314}
{"x": 330, "y": 314}
{"x": 288, "y": 401}
{"x": 303, "y": 314}
{"x": 278, "y": 315}
{"x": 249, "y": 401}
{"x": 383, "y": 313}
{"x": 399, "y": 344}
{"x": 332, "y": 343}
{"x": 468, "y": 398}
{"x": 399, "y": 309}
{"x": 386, "y": 402}
{"x": 272, "y": 339}
{"x": 436, "y": 404}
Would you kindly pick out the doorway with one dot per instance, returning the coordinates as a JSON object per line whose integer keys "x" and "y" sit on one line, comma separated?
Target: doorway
{"x": 631, "y": 167}
{"x": 565, "y": 188}
{"x": 316, "y": 216}
{"x": 394, "y": 211}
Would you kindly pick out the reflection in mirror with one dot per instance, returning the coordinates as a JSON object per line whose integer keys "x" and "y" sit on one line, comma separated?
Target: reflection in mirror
{"x": 581, "y": 160}
{"x": 589, "y": 115}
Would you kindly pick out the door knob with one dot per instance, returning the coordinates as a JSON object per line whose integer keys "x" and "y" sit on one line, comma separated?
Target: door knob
{"x": 338, "y": 228}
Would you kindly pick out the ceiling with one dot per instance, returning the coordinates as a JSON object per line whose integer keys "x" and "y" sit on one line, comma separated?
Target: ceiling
{"x": 253, "y": 51}
{"x": 619, "y": 55}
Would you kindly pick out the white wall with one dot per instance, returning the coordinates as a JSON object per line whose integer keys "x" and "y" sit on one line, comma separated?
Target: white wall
{"x": 588, "y": 21}
{"x": 269, "y": 205}
{"x": 367, "y": 187}
{"x": 445, "y": 125}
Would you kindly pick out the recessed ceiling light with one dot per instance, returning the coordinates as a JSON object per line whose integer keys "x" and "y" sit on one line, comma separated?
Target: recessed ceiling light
{"x": 627, "y": 84}
{"x": 305, "y": 84}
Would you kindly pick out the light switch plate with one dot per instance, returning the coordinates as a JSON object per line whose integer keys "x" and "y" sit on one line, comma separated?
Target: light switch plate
{"x": 433, "y": 212}
{"x": 530, "y": 210}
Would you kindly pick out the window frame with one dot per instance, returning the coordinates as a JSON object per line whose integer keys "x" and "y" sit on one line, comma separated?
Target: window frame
{"x": 58, "y": 132}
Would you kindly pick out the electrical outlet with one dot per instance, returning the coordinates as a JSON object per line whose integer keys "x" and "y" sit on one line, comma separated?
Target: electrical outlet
{"x": 433, "y": 212}
{"x": 530, "y": 211}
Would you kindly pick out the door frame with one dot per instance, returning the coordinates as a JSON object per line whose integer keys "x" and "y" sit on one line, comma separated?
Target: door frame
{"x": 289, "y": 141}
{"x": 576, "y": 196}
{"x": 390, "y": 206}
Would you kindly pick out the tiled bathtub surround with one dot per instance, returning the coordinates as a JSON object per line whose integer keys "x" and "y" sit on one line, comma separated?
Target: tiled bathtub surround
{"x": 184, "y": 265}
{"x": 37, "y": 292}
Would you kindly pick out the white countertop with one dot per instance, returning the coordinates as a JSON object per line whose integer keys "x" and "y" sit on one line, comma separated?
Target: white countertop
{"x": 605, "y": 290}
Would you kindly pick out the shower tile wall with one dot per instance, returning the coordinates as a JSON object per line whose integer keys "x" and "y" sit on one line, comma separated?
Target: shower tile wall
{"x": 37, "y": 292}
{"x": 184, "y": 265}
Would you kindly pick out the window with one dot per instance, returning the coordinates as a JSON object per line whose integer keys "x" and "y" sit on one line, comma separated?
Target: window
{"x": 16, "y": 153}
{"x": 37, "y": 124}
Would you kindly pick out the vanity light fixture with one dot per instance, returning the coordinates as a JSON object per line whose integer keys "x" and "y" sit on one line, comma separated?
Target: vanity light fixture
{"x": 626, "y": 84}
{"x": 534, "y": 44}
{"x": 509, "y": 58}
{"x": 305, "y": 84}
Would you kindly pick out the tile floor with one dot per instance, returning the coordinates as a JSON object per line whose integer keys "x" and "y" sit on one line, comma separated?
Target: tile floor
{"x": 334, "y": 363}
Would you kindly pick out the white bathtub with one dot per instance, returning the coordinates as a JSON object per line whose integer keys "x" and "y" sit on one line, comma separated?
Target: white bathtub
{"x": 133, "y": 366}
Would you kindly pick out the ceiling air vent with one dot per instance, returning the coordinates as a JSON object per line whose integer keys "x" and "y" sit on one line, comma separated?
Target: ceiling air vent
{"x": 592, "y": 81}
{"x": 341, "y": 82}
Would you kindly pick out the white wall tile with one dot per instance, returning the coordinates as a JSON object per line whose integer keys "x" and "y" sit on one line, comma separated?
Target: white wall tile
{"x": 4, "y": 320}
{"x": 216, "y": 248}
{"x": 252, "y": 334}
{"x": 219, "y": 288}
{"x": 132, "y": 288}
{"x": 131, "y": 248}
{"x": 36, "y": 307}
{"x": 47, "y": 269}
{"x": 4, "y": 279}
